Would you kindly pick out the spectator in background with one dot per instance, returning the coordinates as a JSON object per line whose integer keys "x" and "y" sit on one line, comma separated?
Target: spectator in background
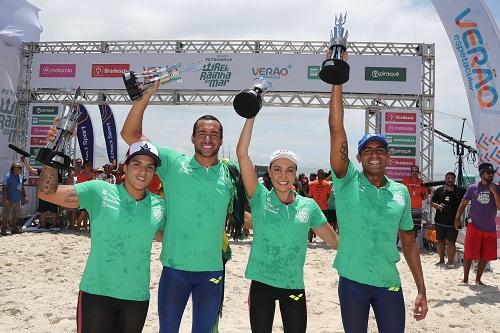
{"x": 47, "y": 210}
{"x": 320, "y": 190}
{"x": 84, "y": 176}
{"x": 312, "y": 177}
{"x": 12, "y": 195}
{"x": 418, "y": 193}
{"x": 78, "y": 166}
{"x": 156, "y": 186}
{"x": 107, "y": 175}
{"x": 303, "y": 188}
{"x": 266, "y": 180}
{"x": 480, "y": 239}
{"x": 331, "y": 212}
{"x": 446, "y": 200}
{"x": 72, "y": 212}
{"x": 120, "y": 176}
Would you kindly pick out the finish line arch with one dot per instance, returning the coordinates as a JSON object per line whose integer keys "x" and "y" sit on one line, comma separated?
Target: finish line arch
{"x": 50, "y": 69}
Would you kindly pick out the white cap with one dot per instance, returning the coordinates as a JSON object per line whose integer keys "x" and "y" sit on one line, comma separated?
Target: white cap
{"x": 144, "y": 148}
{"x": 283, "y": 153}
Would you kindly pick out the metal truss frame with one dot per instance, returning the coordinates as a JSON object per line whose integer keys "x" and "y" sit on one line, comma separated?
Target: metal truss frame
{"x": 371, "y": 103}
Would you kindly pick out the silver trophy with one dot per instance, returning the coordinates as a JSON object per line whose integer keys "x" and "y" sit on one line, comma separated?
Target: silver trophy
{"x": 53, "y": 154}
{"x": 335, "y": 70}
{"x": 138, "y": 83}
{"x": 248, "y": 102}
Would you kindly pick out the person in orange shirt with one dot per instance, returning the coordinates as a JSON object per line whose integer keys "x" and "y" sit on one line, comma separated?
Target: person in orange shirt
{"x": 418, "y": 193}
{"x": 320, "y": 191}
{"x": 156, "y": 185}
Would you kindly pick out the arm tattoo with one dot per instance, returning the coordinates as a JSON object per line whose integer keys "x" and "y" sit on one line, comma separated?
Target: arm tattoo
{"x": 48, "y": 181}
{"x": 343, "y": 152}
{"x": 71, "y": 197}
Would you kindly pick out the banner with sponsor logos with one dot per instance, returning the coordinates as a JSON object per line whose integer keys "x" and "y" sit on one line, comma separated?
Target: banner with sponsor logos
{"x": 41, "y": 119}
{"x": 110, "y": 136}
{"x": 401, "y": 128}
{"x": 85, "y": 135}
{"x": 475, "y": 38}
{"x": 287, "y": 72}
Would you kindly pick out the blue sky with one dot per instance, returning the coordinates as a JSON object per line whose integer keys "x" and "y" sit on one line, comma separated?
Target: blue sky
{"x": 303, "y": 130}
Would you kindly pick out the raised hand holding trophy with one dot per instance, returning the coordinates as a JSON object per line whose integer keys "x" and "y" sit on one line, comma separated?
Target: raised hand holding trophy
{"x": 53, "y": 154}
{"x": 248, "y": 102}
{"x": 335, "y": 70}
{"x": 138, "y": 83}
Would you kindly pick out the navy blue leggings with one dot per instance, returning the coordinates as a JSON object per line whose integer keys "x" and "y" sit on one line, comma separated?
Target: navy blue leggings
{"x": 387, "y": 303}
{"x": 174, "y": 290}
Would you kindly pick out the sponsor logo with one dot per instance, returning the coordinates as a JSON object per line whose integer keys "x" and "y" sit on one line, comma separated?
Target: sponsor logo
{"x": 34, "y": 162}
{"x": 401, "y": 128}
{"x": 38, "y": 141}
{"x": 401, "y": 139}
{"x": 45, "y": 110}
{"x": 42, "y": 120}
{"x": 484, "y": 198}
{"x": 399, "y": 198}
{"x": 216, "y": 72}
{"x": 474, "y": 59}
{"x": 34, "y": 151}
{"x": 302, "y": 216}
{"x": 313, "y": 72}
{"x": 401, "y": 117}
{"x": 109, "y": 70}
{"x": 158, "y": 213}
{"x": 39, "y": 130}
{"x": 271, "y": 73}
{"x": 397, "y": 174}
{"x": 402, "y": 151}
{"x": 57, "y": 70}
{"x": 385, "y": 74}
{"x": 401, "y": 162}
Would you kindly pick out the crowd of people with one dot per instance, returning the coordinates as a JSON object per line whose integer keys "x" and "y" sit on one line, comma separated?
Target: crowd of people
{"x": 361, "y": 213}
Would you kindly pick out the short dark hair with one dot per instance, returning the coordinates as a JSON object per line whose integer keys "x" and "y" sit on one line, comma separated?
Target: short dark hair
{"x": 450, "y": 173}
{"x": 207, "y": 117}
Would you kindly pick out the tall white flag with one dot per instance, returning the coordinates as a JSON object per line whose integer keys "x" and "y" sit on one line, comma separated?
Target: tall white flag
{"x": 475, "y": 39}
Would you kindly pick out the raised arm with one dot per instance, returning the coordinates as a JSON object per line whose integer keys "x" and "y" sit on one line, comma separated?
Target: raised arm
{"x": 49, "y": 189}
{"x": 247, "y": 169}
{"x": 339, "y": 158}
{"x": 132, "y": 128}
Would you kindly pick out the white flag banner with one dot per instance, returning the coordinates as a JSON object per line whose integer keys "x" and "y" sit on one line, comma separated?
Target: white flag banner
{"x": 475, "y": 39}
{"x": 18, "y": 22}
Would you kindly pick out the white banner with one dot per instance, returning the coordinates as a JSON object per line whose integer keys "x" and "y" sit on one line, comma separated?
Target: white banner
{"x": 18, "y": 23}
{"x": 475, "y": 38}
{"x": 402, "y": 130}
{"x": 287, "y": 72}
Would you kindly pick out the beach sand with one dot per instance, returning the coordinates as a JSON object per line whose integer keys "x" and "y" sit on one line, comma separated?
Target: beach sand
{"x": 40, "y": 273}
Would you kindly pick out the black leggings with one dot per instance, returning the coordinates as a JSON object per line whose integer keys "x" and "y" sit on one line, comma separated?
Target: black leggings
{"x": 103, "y": 314}
{"x": 262, "y": 301}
